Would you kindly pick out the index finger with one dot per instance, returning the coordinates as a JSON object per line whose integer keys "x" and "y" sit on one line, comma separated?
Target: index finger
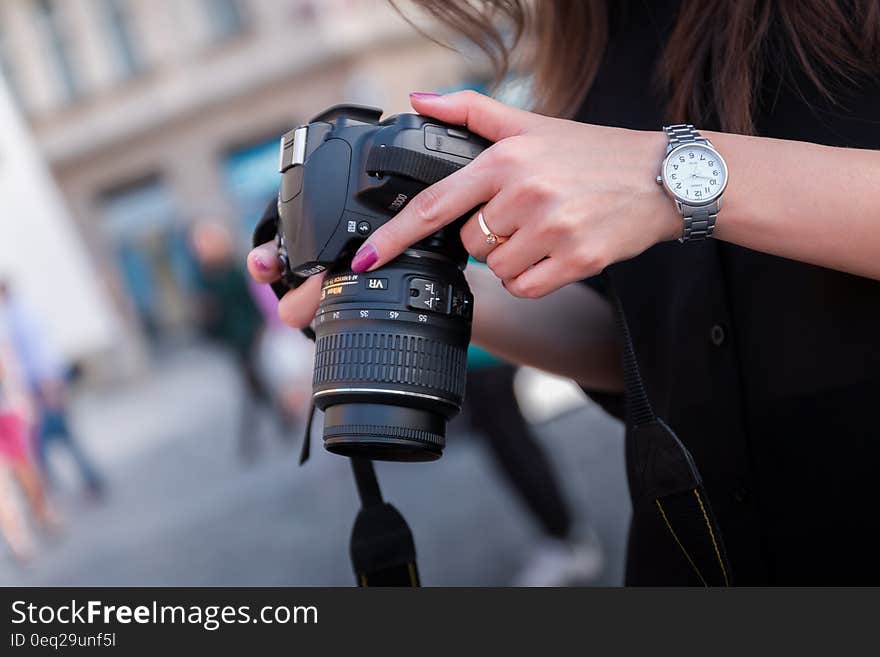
{"x": 430, "y": 210}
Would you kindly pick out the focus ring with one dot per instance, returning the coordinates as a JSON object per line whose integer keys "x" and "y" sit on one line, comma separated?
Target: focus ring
{"x": 395, "y": 358}
{"x": 383, "y": 431}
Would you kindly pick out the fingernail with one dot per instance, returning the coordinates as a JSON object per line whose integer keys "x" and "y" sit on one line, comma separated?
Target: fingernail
{"x": 423, "y": 95}
{"x": 365, "y": 258}
{"x": 260, "y": 264}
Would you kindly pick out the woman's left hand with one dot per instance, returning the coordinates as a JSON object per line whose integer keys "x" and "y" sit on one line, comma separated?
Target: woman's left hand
{"x": 571, "y": 198}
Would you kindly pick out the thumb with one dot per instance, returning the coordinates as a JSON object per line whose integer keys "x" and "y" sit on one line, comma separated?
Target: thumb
{"x": 480, "y": 114}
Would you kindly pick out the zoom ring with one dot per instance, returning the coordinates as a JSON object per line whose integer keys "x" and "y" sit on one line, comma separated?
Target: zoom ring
{"x": 370, "y": 357}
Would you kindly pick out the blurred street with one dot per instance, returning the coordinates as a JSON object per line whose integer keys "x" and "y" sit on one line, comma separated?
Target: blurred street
{"x": 183, "y": 510}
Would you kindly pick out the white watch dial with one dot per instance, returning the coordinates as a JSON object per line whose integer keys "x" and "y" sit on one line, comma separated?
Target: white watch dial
{"x": 695, "y": 173}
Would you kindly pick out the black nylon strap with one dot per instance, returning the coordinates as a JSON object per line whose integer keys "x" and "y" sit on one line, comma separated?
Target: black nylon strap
{"x": 306, "y": 449}
{"x": 690, "y": 522}
{"x": 266, "y": 230}
{"x": 366, "y": 481}
{"x": 383, "y": 552}
{"x": 664, "y": 474}
{"x": 267, "y": 226}
{"x": 638, "y": 406}
{"x": 396, "y": 161}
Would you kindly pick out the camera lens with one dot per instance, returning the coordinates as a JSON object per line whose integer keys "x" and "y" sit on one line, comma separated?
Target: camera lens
{"x": 390, "y": 357}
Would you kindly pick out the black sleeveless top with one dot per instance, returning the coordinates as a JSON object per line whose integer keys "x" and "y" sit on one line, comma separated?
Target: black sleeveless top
{"x": 767, "y": 369}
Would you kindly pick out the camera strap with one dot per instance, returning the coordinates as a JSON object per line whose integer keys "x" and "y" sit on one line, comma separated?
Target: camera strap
{"x": 663, "y": 476}
{"x": 382, "y": 548}
{"x": 383, "y": 552}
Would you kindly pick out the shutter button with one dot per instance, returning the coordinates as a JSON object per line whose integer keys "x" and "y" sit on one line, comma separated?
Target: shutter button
{"x": 717, "y": 335}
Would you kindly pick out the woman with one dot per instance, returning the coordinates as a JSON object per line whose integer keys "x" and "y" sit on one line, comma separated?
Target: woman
{"x": 757, "y": 346}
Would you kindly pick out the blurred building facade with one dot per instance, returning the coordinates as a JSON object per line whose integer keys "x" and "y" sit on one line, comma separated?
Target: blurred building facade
{"x": 44, "y": 264}
{"x": 153, "y": 113}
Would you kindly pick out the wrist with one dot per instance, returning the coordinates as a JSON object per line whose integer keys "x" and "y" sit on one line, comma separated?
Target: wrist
{"x": 665, "y": 219}
{"x": 668, "y": 222}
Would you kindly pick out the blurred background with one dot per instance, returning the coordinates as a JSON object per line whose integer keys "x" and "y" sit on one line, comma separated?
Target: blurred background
{"x": 151, "y": 407}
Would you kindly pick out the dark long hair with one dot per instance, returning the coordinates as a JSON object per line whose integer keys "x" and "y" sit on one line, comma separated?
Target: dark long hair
{"x": 721, "y": 69}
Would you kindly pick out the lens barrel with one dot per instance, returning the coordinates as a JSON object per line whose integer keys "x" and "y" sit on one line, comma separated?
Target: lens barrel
{"x": 390, "y": 357}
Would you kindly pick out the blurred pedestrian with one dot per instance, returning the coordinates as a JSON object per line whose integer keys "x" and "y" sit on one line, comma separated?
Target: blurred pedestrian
{"x": 44, "y": 376}
{"x": 17, "y": 466}
{"x": 230, "y": 316}
{"x": 561, "y": 558}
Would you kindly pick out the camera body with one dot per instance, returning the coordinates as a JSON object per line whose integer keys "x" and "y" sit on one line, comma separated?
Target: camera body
{"x": 390, "y": 345}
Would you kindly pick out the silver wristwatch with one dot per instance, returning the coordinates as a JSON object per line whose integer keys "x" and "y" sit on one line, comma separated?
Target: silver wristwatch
{"x": 695, "y": 175}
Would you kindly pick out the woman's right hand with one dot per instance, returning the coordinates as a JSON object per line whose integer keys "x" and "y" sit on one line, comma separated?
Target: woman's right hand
{"x": 298, "y": 307}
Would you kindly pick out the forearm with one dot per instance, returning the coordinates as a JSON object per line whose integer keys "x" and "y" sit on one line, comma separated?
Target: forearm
{"x": 570, "y": 332}
{"x": 802, "y": 201}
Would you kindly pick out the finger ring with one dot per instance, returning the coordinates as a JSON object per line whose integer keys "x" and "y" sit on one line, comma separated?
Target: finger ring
{"x": 491, "y": 238}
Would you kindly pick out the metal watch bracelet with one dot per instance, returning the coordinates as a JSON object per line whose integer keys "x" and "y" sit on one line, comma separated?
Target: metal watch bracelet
{"x": 699, "y": 222}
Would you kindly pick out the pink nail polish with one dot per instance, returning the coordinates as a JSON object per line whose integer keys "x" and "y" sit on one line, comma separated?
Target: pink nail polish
{"x": 365, "y": 258}
{"x": 423, "y": 95}
{"x": 260, "y": 264}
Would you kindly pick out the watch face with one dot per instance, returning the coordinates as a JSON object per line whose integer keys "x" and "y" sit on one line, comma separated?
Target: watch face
{"x": 695, "y": 174}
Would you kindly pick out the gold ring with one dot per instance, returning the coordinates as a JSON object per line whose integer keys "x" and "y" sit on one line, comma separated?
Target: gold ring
{"x": 491, "y": 238}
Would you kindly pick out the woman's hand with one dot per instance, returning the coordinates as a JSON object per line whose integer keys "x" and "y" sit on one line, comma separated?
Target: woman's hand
{"x": 571, "y": 198}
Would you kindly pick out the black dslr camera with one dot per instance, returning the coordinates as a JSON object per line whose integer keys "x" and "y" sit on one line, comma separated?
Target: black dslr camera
{"x": 390, "y": 345}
